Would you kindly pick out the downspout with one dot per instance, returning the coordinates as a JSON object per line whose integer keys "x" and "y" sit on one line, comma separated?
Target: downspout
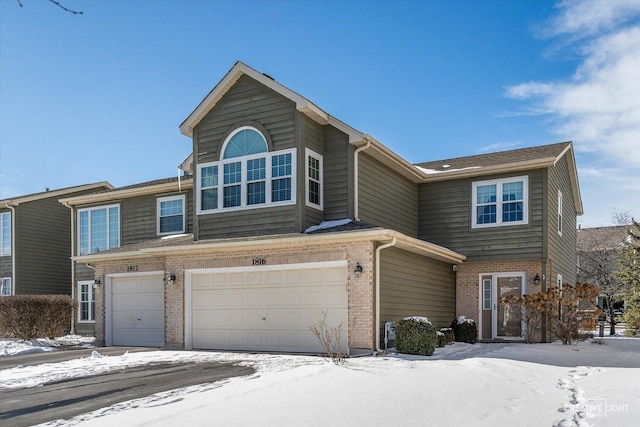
{"x": 12, "y": 208}
{"x": 73, "y": 266}
{"x": 355, "y": 179}
{"x": 377, "y": 260}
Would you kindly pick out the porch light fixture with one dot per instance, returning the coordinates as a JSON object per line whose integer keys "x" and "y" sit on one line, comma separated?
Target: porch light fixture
{"x": 536, "y": 280}
{"x": 357, "y": 272}
{"x": 169, "y": 279}
{"x": 96, "y": 283}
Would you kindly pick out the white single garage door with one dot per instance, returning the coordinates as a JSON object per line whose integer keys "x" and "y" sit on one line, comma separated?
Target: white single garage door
{"x": 267, "y": 308}
{"x": 137, "y": 311}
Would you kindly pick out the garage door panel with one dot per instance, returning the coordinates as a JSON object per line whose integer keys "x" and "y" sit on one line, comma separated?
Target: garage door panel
{"x": 269, "y": 309}
{"x": 137, "y": 311}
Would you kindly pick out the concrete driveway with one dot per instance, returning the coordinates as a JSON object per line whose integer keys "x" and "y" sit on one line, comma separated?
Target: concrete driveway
{"x": 69, "y": 398}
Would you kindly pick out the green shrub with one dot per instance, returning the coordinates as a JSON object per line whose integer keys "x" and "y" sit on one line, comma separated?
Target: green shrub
{"x": 445, "y": 337}
{"x": 465, "y": 330}
{"x": 415, "y": 335}
{"x": 36, "y": 316}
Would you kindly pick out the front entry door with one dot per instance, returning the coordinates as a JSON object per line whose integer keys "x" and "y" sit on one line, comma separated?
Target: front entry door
{"x": 504, "y": 322}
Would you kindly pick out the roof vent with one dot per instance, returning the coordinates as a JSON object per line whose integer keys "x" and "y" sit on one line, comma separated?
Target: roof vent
{"x": 446, "y": 166}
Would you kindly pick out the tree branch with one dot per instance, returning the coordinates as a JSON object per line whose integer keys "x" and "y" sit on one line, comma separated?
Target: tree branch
{"x": 75, "y": 12}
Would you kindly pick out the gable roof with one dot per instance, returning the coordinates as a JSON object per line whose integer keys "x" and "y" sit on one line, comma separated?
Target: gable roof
{"x": 542, "y": 156}
{"x": 140, "y": 189}
{"x": 15, "y": 201}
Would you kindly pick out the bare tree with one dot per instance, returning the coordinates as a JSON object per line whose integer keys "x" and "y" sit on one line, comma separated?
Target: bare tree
{"x": 629, "y": 273}
{"x": 66, "y": 9}
{"x": 598, "y": 252}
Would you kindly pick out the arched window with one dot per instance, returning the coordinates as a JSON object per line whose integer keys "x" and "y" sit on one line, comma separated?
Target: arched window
{"x": 244, "y": 141}
{"x": 247, "y": 175}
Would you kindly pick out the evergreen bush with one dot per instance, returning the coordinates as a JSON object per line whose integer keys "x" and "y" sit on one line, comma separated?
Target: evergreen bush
{"x": 445, "y": 337}
{"x": 465, "y": 330}
{"x": 416, "y": 335}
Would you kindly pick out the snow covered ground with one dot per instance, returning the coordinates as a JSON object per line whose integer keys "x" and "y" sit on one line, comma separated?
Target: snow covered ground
{"x": 590, "y": 384}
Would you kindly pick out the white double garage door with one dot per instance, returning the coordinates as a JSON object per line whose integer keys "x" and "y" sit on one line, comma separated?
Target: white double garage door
{"x": 261, "y": 308}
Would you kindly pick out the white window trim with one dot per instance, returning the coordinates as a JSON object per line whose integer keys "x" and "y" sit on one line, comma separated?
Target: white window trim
{"x": 92, "y": 293}
{"x": 313, "y": 154}
{"x": 184, "y": 214}
{"x": 2, "y": 280}
{"x": 2, "y": 242}
{"x": 243, "y": 183}
{"x": 559, "y": 282}
{"x": 560, "y": 224}
{"x": 498, "y": 183}
{"x": 107, "y": 207}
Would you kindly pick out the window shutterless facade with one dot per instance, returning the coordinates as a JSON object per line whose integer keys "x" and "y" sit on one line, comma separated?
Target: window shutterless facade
{"x": 5, "y": 234}
{"x": 500, "y": 202}
{"x": 313, "y": 179}
{"x": 247, "y": 176}
{"x": 98, "y": 229}
{"x": 171, "y": 215}
{"x": 86, "y": 301}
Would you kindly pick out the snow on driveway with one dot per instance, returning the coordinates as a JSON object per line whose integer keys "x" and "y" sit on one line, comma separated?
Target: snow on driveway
{"x": 462, "y": 384}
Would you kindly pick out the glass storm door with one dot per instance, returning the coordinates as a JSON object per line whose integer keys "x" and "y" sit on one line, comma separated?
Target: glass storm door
{"x": 505, "y": 323}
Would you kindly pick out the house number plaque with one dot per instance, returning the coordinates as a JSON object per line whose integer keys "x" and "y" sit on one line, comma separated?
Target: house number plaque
{"x": 259, "y": 261}
{"x": 132, "y": 268}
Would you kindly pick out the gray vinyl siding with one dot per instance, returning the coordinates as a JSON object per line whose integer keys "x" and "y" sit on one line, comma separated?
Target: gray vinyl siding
{"x": 562, "y": 249}
{"x": 386, "y": 198}
{"x": 338, "y": 175}
{"x": 138, "y": 216}
{"x": 313, "y": 139}
{"x": 413, "y": 285}
{"x": 42, "y": 248}
{"x": 249, "y": 103}
{"x": 445, "y": 219}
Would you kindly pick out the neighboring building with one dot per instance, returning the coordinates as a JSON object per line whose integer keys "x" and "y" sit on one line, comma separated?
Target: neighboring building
{"x": 294, "y": 213}
{"x": 34, "y": 242}
{"x": 598, "y": 249}
{"x": 121, "y": 217}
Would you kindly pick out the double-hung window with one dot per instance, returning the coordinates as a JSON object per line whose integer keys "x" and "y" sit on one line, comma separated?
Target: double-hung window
{"x": 86, "y": 301}
{"x": 246, "y": 176}
{"x": 559, "y": 213}
{"x": 500, "y": 202}
{"x": 171, "y": 215}
{"x": 98, "y": 229}
{"x": 5, "y": 233}
{"x": 314, "y": 179}
{"x": 5, "y": 286}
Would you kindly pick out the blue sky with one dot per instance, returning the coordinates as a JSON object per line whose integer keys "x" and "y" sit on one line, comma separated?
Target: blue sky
{"x": 100, "y": 96}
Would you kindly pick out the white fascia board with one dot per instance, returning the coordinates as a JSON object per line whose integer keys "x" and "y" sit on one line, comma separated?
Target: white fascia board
{"x": 130, "y": 192}
{"x": 56, "y": 193}
{"x": 481, "y": 171}
{"x": 573, "y": 176}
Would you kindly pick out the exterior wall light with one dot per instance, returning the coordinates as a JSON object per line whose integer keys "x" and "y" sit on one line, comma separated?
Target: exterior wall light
{"x": 169, "y": 279}
{"x": 357, "y": 272}
{"x": 536, "y": 280}
{"x": 96, "y": 283}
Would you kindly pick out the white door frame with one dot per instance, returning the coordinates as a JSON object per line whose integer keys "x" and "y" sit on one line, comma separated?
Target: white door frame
{"x": 494, "y": 301}
{"x": 108, "y": 302}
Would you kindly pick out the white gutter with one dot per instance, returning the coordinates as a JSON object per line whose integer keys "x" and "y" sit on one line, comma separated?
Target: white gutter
{"x": 12, "y": 208}
{"x": 356, "y": 196}
{"x": 377, "y": 261}
{"x": 73, "y": 264}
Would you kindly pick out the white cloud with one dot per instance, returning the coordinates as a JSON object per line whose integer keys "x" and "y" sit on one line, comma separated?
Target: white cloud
{"x": 598, "y": 107}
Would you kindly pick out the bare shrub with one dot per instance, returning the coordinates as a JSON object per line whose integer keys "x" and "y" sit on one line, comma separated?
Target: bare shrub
{"x": 36, "y": 316}
{"x": 330, "y": 339}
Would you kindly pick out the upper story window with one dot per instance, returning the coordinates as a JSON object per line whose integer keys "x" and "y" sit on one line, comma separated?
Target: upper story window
{"x": 247, "y": 175}
{"x": 5, "y": 234}
{"x": 98, "y": 229}
{"x": 314, "y": 179}
{"x": 500, "y": 202}
{"x": 5, "y": 286}
{"x": 559, "y": 213}
{"x": 171, "y": 214}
